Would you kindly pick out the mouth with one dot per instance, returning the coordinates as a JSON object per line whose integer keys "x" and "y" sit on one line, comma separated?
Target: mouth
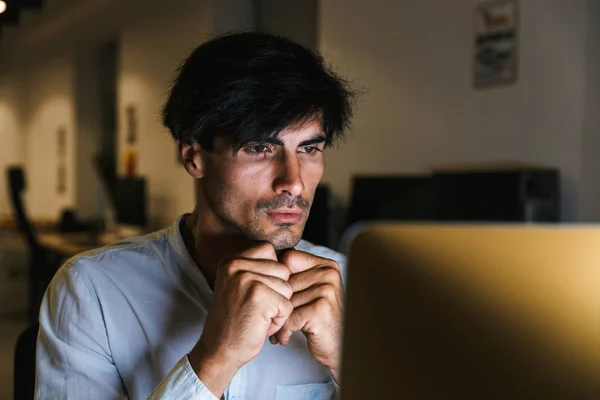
{"x": 285, "y": 215}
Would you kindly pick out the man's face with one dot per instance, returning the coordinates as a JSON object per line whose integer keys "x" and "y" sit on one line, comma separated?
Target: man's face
{"x": 265, "y": 190}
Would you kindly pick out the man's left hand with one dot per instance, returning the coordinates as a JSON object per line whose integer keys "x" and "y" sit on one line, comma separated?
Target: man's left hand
{"x": 318, "y": 307}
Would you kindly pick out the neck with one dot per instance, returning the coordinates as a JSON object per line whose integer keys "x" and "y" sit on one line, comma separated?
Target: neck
{"x": 207, "y": 245}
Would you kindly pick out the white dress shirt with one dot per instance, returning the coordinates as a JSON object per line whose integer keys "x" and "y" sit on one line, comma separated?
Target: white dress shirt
{"x": 118, "y": 323}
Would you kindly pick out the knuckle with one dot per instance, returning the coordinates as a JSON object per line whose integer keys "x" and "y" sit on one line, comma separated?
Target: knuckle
{"x": 273, "y": 310}
{"x": 257, "y": 291}
{"x": 284, "y": 271}
{"x": 288, "y": 289}
{"x": 287, "y": 257}
{"x": 329, "y": 291}
{"x": 266, "y": 248}
{"x": 334, "y": 264}
{"x": 287, "y": 307}
{"x": 331, "y": 274}
{"x": 231, "y": 266}
{"x": 322, "y": 306}
{"x": 245, "y": 278}
{"x": 331, "y": 263}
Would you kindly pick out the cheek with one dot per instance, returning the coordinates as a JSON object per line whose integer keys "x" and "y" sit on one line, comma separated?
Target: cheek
{"x": 313, "y": 172}
{"x": 237, "y": 190}
{"x": 220, "y": 187}
{"x": 240, "y": 190}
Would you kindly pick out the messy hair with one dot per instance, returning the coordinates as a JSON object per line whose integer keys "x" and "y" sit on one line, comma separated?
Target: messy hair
{"x": 251, "y": 86}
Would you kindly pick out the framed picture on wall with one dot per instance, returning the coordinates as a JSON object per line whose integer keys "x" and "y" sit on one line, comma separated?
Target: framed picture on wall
{"x": 496, "y": 43}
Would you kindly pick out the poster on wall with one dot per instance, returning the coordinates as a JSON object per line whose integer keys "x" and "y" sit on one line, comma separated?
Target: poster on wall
{"x": 130, "y": 156}
{"x": 496, "y": 45}
{"x": 61, "y": 172}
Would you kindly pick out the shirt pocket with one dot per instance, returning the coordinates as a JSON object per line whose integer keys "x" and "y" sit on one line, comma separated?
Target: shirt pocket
{"x": 311, "y": 391}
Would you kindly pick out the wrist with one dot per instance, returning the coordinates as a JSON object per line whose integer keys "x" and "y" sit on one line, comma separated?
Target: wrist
{"x": 214, "y": 369}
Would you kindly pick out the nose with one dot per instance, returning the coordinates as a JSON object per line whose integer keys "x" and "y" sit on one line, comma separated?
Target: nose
{"x": 288, "y": 179}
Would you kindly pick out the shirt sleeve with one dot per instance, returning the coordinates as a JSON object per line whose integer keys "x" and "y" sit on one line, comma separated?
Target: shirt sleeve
{"x": 182, "y": 383}
{"x": 74, "y": 359}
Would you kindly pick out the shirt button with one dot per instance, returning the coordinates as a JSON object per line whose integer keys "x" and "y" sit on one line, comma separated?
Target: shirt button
{"x": 314, "y": 394}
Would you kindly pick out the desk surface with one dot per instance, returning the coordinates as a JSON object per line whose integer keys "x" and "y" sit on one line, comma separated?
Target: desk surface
{"x": 8, "y": 222}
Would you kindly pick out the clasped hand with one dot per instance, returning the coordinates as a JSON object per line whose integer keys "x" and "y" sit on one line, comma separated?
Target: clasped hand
{"x": 259, "y": 296}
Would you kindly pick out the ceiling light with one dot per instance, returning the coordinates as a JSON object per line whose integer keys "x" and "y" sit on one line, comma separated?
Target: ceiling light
{"x": 2, "y": 6}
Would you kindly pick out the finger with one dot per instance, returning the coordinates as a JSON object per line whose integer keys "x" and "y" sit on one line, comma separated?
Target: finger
{"x": 283, "y": 251}
{"x": 283, "y": 336}
{"x": 247, "y": 279}
{"x": 297, "y": 321}
{"x": 315, "y": 303}
{"x": 261, "y": 250}
{"x": 274, "y": 308}
{"x": 315, "y": 276}
{"x": 299, "y": 261}
{"x": 234, "y": 265}
{"x": 325, "y": 290}
{"x": 284, "y": 310}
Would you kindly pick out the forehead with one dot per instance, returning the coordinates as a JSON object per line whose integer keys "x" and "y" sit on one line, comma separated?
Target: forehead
{"x": 290, "y": 136}
{"x": 301, "y": 132}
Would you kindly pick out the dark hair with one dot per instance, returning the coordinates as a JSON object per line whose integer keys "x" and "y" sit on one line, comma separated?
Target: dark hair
{"x": 250, "y": 86}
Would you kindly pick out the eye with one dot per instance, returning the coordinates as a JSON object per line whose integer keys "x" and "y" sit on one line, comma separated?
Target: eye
{"x": 310, "y": 149}
{"x": 257, "y": 149}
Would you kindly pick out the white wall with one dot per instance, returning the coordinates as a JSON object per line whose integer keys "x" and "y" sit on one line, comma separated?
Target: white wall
{"x": 50, "y": 108}
{"x": 89, "y": 196}
{"x": 151, "y": 51}
{"x": 294, "y": 19}
{"x": 415, "y": 58}
{"x": 591, "y": 127}
{"x": 11, "y": 129}
{"x": 154, "y": 39}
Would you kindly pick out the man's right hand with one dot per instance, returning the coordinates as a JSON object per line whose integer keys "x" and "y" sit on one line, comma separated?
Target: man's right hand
{"x": 251, "y": 302}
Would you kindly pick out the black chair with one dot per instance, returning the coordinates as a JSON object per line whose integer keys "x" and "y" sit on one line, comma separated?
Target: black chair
{"x": 42, "y": 263}
{"x": 317, "y": 226}
{"x": 25, "y": 363}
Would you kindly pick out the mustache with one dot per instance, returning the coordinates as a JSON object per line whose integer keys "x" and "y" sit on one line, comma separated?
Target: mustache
{"x": 284, "y": 201}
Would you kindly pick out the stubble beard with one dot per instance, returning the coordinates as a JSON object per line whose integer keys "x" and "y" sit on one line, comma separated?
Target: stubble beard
{"x": 284, "y": 237}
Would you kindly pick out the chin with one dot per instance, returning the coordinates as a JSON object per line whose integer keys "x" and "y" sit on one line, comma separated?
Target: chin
{"x": 284, "y": 238}
{"x": 281, "y": 237}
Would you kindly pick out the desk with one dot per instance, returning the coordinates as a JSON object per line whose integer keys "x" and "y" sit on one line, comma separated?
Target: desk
{"x": 67, "y": 245}
{"x": 7, "y": 222}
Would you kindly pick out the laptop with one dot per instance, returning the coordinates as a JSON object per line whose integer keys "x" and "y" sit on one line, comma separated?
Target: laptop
{"x": 443, "y": 311}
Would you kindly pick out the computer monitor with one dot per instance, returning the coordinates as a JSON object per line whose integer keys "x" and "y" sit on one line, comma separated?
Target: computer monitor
{"x": 472, "y": 312}
{"x": 391, "y": 197}
{"x": 130, "y": 201}
{"x": 316, "y": 229}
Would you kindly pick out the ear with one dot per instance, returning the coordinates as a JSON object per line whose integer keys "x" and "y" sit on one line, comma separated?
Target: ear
{"x": 191, "y": 157}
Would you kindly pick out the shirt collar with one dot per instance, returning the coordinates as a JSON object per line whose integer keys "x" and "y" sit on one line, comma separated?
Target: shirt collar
{"x": 185, "y": 260}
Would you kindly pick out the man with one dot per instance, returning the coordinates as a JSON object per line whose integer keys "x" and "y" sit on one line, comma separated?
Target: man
{"x": 228, "y": 301}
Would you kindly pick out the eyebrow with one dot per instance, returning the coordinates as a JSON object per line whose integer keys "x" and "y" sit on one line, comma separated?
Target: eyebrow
{"x": 319, "y": 138}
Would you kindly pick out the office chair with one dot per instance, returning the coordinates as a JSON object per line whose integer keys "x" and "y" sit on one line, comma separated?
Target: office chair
{"x": 24, "y": 364}
{"x": 42, "y": 263}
